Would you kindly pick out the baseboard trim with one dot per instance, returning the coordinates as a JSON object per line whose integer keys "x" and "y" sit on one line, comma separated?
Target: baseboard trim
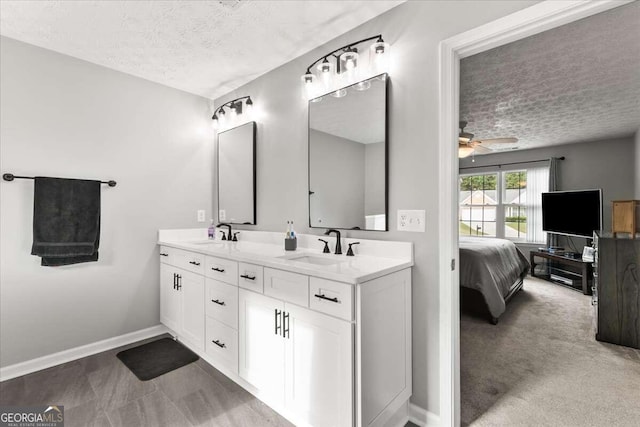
{"x": 40, "y": 363}
{"x": 421, "y": 417}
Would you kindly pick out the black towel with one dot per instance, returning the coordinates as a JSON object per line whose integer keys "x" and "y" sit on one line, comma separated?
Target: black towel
{"x": 66, "y": 220}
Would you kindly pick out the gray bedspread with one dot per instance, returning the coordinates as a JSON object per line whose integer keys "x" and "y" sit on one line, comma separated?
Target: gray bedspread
{"x": 491, "y": 266}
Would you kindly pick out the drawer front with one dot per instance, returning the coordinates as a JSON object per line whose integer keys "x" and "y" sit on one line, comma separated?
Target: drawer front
{"x": 222, "y": 302}
{"x": 222, "y": 269}
{"x": 168, "y": 255}
{"x": 333, "y": 298}
{"x": 222, "y": 344}
{"x": 250, "y": 277}
{"x": 189, "y": 261}
{"x": 287, "y": 286}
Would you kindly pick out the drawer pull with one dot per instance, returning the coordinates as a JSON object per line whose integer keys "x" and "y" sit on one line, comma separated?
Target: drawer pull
{"x": 324, "y": 297}
{"x": 278, "y": 326}
{"x": 219, "y": 270}
{"x": 163, "y": 254}
{"x": 246, "y": 276}
{"x": 219, "y": 344}
{"x": 218, "y": 302}
{"x": 194, "y": 263}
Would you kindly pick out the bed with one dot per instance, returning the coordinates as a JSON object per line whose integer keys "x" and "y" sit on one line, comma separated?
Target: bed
{"x": 495, "y": 268}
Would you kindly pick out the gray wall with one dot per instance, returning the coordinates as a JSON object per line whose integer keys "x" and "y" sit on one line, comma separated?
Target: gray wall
{"x": 414, "y": 29}
{"x": 337, "y": 180}
{"x": 637, "y": 165}
{"x": 374, "y": 179}
{"x": 600, "y": 164}
{"x": 64, "y": 117}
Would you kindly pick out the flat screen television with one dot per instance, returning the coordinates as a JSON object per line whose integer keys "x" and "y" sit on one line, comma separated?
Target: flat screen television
{"x": 572, "y": 213}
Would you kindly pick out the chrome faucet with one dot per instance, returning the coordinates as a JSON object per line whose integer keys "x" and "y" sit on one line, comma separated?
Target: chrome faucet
{"x": 222, "y": 224}
{"x": 338, "y": 245}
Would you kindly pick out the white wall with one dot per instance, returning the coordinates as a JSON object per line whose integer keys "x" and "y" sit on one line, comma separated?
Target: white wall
{"x": 608, "y": 165}
{"x": 374, "y": 162}
{"x": 414, "y": 29}
{"x": 337, "y": 180}
{"x": 64, "y": 117}
{"x": 637, "y": 165}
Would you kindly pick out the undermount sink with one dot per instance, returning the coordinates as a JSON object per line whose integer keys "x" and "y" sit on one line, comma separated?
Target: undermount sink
{"x": 316, "y": 260}
{"x": 208, "y": 242}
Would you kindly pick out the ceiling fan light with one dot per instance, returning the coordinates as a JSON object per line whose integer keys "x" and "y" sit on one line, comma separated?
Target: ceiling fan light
{"x": 465, "y": 151}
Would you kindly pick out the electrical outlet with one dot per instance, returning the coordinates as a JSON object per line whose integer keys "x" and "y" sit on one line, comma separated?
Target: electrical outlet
{"x": 411, "y": 220}
{"x": 222, "y": 214}
{"x": 201, "y": 215}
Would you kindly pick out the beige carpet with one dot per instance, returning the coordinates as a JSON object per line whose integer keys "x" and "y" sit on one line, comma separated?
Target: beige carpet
{"x": 541, "y": 365}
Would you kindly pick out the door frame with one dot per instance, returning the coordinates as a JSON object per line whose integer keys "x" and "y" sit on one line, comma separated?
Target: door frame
{"x": 524, "y": 23}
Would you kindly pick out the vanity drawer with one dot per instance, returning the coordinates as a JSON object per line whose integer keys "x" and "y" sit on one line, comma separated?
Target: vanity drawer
{"x": 168, "y": 255}
{"x": 250, "y": 277}
{"x": 222, "y": 269}
{"x": 286, "y": 286}
{"x": 333, "y": 298}
{"x": 222, "y": 302}
{"x": 222, "y": 344}
{"x": 186, "y": 260}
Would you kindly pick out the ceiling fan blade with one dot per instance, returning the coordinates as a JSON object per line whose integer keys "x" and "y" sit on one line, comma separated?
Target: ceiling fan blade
{"x": 499, "y": 141}
{"x": 480, "y": 150}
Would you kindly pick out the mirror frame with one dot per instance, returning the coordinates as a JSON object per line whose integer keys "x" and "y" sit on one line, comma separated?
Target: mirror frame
{"x": 386, "y": 155}
{"x": 254, "y": 133}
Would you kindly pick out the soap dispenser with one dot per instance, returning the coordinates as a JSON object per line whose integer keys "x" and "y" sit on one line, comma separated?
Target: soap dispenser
{"x": 211, "y": 231}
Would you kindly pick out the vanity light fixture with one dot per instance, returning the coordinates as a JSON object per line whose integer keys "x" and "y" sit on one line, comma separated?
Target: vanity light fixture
{"x": 235, "y": 108}
{"x": 344, "y": 67}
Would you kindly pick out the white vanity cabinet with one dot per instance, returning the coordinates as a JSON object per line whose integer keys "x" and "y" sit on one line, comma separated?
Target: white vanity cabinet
{"x": 181, "y": 298}
{"x": 321, "y": 352}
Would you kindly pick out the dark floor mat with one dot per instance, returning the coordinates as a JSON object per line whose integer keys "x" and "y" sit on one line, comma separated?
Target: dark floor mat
{"x": 156, "y": 358}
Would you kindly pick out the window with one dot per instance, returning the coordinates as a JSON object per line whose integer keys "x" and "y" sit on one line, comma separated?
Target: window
{"x": 504, "y": 204}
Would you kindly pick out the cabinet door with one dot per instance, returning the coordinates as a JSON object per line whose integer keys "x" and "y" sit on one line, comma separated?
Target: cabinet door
{"x": 170, "y": 300}
{"x": 261, "y": 346}
{"x": 192, "y": 290}
{"x": 319, "y": 384}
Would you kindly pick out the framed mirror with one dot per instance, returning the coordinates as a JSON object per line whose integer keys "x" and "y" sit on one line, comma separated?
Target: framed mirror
{"x": 348, "y": 157}
{"x": 237, "y": 175}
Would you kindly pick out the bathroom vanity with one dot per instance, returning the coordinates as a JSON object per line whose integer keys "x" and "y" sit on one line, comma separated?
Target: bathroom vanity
{"x": 323, "y": 339}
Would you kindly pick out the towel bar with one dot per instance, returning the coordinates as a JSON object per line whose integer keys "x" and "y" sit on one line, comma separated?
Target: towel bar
{"x": 11, "y": 177}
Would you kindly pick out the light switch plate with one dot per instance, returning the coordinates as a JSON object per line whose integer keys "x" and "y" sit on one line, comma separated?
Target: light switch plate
{"x": 222, "y": 214}
{"x": 411, "y": 220}
{"x": 201, "y": 215}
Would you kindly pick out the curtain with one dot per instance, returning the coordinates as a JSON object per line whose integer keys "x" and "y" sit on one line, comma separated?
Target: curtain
{"x": 537, "y": 183}
{"x": 554, "y": 163}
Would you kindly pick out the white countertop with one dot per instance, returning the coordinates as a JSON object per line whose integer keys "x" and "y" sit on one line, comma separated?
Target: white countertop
{"x": 374, "y": 258}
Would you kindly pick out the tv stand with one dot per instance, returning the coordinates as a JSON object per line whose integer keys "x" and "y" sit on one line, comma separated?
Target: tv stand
{"x": 584, "y": 269}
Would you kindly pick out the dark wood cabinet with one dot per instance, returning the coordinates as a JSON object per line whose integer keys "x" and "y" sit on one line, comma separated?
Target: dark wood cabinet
{"x": 617, "y": 290}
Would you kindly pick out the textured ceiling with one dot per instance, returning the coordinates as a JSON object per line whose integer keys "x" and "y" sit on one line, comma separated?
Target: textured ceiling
{"x": 203, "y": 47}
{"x": 578, "y": 82}
{"x": 359, "y": 116}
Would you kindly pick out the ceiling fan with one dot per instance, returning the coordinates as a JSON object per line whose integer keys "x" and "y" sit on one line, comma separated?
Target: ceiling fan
{"x": 467, "y": 145}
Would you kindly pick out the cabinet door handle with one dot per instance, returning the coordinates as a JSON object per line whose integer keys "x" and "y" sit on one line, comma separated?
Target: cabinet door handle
{"x": 218, "y": 302}
{"x": 219, "y": 270}
{"x": 219, "y": 344}
{"x": 194, "y": 263}
{"x": 178, "y": 282}
{"x": 278, "y": 325}
{"x": 175, "y": 280}
{"x": 324, "y": 297}
{"x": 246, "y": 276}
{"x": 285, "y": 327}
{"x": 163, "y": 254}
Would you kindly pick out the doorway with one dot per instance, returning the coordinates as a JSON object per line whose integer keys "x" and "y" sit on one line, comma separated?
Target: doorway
{"x": 538, "y": 18}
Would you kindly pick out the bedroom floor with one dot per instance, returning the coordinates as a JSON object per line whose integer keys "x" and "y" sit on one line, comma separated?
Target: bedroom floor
{"x": 541, "y": 365}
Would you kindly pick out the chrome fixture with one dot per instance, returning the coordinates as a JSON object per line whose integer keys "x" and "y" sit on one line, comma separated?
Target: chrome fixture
{"x": 235, "y": 109}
